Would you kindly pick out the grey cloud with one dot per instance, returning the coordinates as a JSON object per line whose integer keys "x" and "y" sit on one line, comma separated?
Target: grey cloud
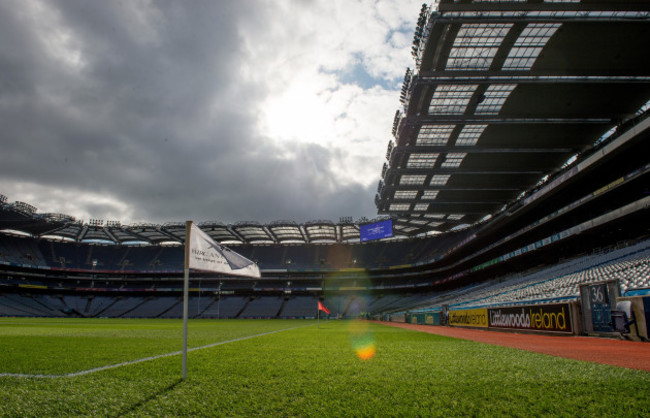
{"x": 157, "y": 117}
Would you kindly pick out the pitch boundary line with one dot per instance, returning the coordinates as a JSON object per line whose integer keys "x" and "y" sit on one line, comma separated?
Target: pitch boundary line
{"x": 128, "y": 363}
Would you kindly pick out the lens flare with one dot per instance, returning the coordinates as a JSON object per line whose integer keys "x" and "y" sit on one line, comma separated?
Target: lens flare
{"x": 366, "y": 352}
{"x": 348, "y": 299}
{"x": 362, "y": 340}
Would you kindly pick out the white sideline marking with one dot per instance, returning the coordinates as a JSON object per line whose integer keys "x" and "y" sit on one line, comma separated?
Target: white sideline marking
{"x": 126, "y": 363}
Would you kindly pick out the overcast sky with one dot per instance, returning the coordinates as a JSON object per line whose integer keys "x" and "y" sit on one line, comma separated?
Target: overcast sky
{"x": 156, "y": 111}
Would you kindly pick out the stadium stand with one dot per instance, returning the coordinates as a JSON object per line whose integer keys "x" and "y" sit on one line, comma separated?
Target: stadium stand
{"x": 28, "y": 305}
{"x": 154, "y": 307}
{"x": 331, "y": 256}
{"x": 225, "y": 307}
{"x": 51, "y": 302}
{"x": 9, "y": 307}
{"x": 561, "y": 282}
{"x": 98, "y": 304}
{"x": 299, "y": 307}
{"x": 20, "y": 251}
{"x": 262, "y": 307}
{"x": 196, "y": 305}
{"x": 517, "y": 172}
{"x": 122, "y": 307}
{"x": 77, "y": 304}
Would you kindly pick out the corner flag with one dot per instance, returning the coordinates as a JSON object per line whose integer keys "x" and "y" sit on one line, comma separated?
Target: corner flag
{"x": 322, "y": 307}
{"x": 203, "y": 253}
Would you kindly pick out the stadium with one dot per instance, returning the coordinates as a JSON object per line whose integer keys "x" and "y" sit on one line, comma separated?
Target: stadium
{"x": 514, "y": 198}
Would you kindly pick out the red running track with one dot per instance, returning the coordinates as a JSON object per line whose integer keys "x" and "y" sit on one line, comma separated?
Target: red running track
{"x": 621, "y": 353}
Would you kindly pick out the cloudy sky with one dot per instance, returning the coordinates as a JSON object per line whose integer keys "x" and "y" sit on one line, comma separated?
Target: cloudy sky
{"x": 206, "y": 110}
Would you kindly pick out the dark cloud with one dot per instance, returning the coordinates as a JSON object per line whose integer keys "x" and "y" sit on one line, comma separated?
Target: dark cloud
{"x": 148, "y": 107}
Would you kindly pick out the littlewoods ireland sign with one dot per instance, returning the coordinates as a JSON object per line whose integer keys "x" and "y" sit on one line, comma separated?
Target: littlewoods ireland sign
{"x": 469, "y": 318}
{"x": 555, "y": 318}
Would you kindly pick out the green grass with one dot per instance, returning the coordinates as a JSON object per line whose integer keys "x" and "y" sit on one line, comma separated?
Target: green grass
{"x": 58, "y": 346}
{"x": 306, "y": 371}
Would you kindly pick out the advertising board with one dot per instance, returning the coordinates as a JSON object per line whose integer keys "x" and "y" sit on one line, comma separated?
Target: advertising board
{"x": 555, "y": 318}
{"x": 469, "y": 318}
{"x": 377, "y": 230}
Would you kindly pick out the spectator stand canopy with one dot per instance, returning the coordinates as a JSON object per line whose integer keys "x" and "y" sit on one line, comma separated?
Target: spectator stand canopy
{"x": 321, "y": 231}
{"x": 253, "y": 232}
{"x": 220, "y": 232}
{"x": 63, "y": 227}
{"x": 23, "y": 218}
{"x": 348, "y": 230}
{"x": 287, "y": 232}
{"x": 503, "y": 95}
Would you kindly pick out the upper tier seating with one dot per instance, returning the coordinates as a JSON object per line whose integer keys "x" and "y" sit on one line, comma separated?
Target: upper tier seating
{"x": 630, "y": 265}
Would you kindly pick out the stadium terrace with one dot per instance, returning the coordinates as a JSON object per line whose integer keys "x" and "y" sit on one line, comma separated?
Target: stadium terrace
{"x": 516, "y": 178}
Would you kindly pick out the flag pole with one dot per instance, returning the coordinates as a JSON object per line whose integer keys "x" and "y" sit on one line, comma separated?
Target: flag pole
{"x": 318, "y": 316}
{"x": 186, "y": 291}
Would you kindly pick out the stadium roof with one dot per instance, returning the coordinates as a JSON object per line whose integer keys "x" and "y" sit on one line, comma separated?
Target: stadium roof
{"x": 503, "y": 94}
{"x": 23, "y": 217}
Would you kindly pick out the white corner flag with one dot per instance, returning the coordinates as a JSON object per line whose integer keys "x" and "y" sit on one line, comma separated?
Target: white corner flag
{"x": 203, "y": 253}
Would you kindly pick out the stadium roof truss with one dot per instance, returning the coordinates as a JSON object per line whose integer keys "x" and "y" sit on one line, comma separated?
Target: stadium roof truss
{"x": 63, "y": 227}
{"x": 220, "y": 232}
{"x": 321, "y": 231}
{"x": 502, "y": 95}
{"x": 287, "y": 232}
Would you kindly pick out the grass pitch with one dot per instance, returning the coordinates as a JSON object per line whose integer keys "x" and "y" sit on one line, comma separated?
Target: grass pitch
{"x": 302, "y": 371}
